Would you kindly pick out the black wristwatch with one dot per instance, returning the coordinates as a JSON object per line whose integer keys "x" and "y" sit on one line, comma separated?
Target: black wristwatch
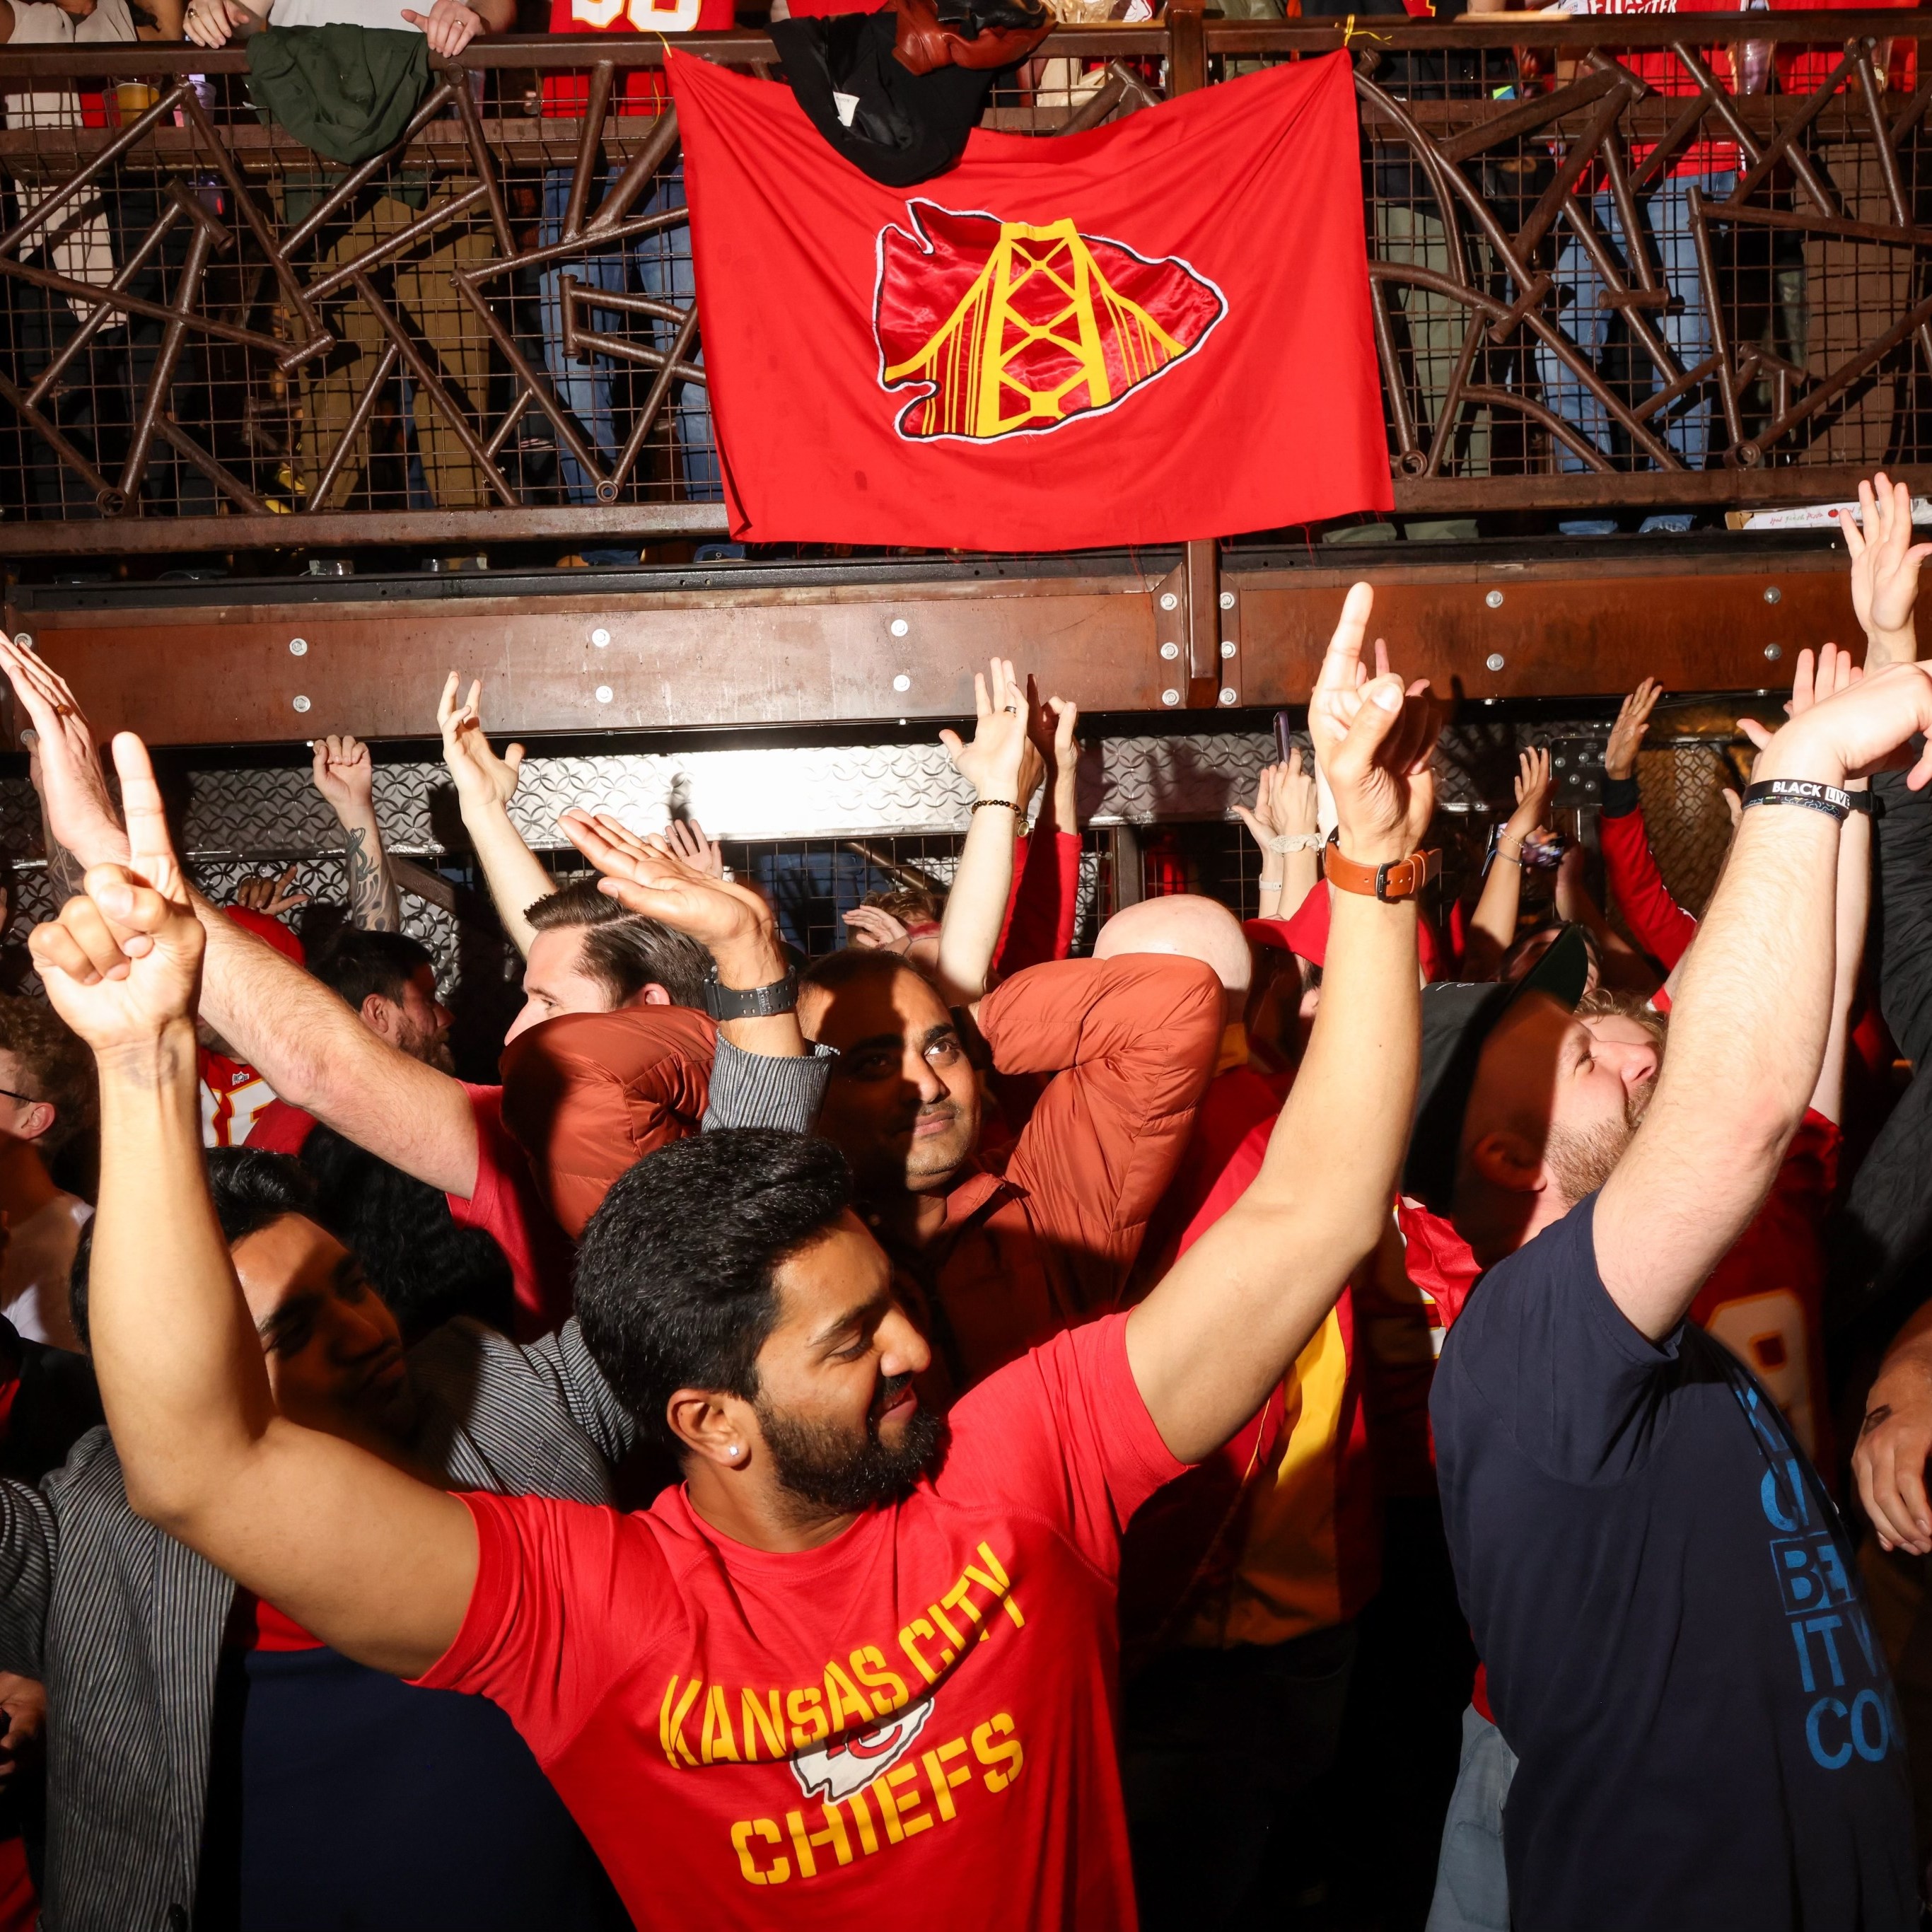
{"x": 753, "y": 1002}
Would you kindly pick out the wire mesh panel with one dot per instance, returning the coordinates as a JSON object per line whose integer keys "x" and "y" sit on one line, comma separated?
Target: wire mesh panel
{"x": 1682, "y": 787}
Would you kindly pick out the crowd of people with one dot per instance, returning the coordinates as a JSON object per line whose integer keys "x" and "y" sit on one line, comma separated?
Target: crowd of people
{"x": 952, "y": 1421}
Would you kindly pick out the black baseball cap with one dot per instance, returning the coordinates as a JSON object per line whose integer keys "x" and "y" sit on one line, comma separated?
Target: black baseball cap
{"x": 1457, "y": 1018}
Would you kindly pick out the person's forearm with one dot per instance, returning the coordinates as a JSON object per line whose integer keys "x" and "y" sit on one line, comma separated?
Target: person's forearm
{"x": 515, "y": 874}
{"x": 1492, "y": 925}
{"x": 1884, "y": 646}
{"x": 1300, "y": 869}
{"x": 759, "y": 960}
{"x": 376, "y": 1563}
{"x": 318, "y": 1055}
{"x": 1040, "y": 919}
{"x": 1287, "y": 879}
{"x": 1658, "y": 923}
{"x": 1854, "y": 904}
{"x": 374, "y": 904}
{"x": 498, "y": 17}
{"x": 1270, "y": 1269}
{"x": 1748, "y": 1023}
{"x": 975, "y": 906}
{"x": 179, "y": 1362}
{"x": 64, "y": 871}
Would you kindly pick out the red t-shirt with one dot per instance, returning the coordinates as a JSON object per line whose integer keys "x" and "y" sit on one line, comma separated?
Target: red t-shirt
{"x": 916, "y": 1721}
{"x": 507, "y": 1204}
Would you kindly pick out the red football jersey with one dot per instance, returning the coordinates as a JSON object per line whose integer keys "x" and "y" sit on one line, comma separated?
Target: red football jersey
{"x": 639, "y": 92}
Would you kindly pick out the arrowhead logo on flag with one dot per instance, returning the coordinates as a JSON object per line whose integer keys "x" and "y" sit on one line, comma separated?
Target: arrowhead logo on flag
{"x": 1152, "y": 330}
{"x": 1043, "y": 325}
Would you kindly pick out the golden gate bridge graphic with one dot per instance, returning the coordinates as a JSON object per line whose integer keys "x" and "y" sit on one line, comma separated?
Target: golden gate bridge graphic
{"x": 1013, "y": 327}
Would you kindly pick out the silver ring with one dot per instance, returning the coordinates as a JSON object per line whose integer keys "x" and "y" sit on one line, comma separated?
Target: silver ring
{"x": 1012, "y": 710}
{"x": 725, "y": 873}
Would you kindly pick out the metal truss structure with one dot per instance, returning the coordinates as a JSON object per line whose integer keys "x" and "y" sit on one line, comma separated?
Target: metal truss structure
{"x": 1613, "y": 267}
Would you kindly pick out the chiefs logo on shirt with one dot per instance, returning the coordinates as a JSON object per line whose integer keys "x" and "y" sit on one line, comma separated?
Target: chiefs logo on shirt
{"x": 849, "y": 1764}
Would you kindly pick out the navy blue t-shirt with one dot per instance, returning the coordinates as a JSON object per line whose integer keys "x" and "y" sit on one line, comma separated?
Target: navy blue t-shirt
{"x": 1668, "y": 1604}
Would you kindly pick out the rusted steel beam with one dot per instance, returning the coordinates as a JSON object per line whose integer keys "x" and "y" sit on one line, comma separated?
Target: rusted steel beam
{"x": 689, "y": 659}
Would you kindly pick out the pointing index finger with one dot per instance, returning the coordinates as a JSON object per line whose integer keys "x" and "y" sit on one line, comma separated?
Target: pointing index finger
{"x": 1343, "y": 657}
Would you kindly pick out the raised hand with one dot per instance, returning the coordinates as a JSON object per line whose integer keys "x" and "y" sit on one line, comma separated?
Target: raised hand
{"x": 345, "y": 775}
{"x": 1374, "y": 739}
{"x": 991, "y": 763}
{"x": 1814, "y": 680}
{"x": 1284, "y": 806}
{"x": 122, "y": 962}
{"x": 1050, "y": 723}
{"x": 1865, "y": 724}
{"x": 73, "y": 788}
{"x": 1885, "y": 568}
{"x": 1627, "y": 734}
{"x": 1889, "y": 1461}
{"x": 481, "y": 777}
{"x": 644, "y": 875}
{"x": 872, "y": 928}
{"x": 271, "y": 896}
{"x": 1534, "y": 785}
{"x": 685, "y": 838}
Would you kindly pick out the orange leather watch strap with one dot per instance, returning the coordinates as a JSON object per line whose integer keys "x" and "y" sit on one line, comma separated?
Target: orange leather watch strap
{"x": 1400, "y": 879}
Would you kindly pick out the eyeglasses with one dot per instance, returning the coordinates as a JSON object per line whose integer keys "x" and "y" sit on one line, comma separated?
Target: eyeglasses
{"x": 25, "y": 1100}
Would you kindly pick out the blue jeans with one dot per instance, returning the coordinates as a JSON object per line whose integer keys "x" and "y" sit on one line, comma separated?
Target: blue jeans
{"x": 1684, "y": 328}
{"x": 1471, "y": 1882}
{"x": 662, "y": 263}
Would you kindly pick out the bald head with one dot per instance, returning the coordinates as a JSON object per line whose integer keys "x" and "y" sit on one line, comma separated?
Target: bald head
{"x": 1187, "y": 924}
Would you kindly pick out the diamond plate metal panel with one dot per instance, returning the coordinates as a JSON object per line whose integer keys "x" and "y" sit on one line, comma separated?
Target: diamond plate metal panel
{"x": 238, "y": 821}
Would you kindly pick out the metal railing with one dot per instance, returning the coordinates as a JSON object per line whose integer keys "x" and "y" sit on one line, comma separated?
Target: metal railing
{"x": 1619, "y": 266}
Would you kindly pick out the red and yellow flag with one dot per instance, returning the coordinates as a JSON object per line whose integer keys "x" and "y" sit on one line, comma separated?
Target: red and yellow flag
{"x": 1154, "y": 330}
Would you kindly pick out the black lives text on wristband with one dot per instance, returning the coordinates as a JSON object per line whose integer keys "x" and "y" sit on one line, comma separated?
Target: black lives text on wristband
{"x": 1813, "y": 793}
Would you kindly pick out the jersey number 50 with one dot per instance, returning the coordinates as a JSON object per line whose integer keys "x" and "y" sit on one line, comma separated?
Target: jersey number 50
{"x": 680, "y": 16}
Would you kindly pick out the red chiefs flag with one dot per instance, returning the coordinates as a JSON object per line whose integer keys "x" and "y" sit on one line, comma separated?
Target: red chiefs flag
{"x": 1153, "y": 331}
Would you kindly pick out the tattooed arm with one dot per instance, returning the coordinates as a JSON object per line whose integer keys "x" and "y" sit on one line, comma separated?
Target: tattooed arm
{"x": 344, "y": 776}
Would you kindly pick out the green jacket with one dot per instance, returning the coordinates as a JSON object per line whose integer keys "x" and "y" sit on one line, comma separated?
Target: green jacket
{"x": 346, "y": 92}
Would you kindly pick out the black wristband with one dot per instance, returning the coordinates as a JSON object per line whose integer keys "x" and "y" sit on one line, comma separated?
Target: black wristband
{"x": 1620, "y": 796}
{"x": 1813, "y": 793}
{"x": 750, "y": 1003}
